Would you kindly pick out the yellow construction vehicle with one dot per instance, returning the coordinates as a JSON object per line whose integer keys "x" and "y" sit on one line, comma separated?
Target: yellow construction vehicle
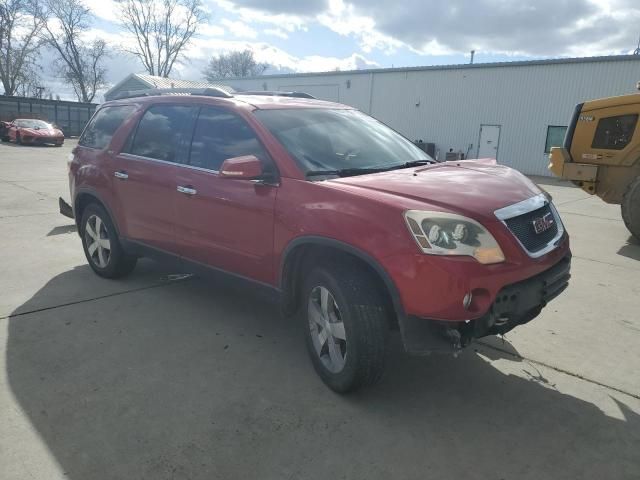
{"x": 601, "y": 153}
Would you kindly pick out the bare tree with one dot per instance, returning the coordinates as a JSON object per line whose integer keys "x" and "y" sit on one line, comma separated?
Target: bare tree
{"x": 161, "y": 29}
{"x": 65, "y": 26}
{"x": 233, "y": 64}
{"x": 20, "y": 24}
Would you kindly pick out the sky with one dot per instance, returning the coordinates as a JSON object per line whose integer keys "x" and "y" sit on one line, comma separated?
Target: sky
{"x": 324, "y": 35}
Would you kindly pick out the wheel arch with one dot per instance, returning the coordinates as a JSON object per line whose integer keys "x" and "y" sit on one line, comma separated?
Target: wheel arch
{"x": 85, "y": 197}
{"x": 301, "y": 253}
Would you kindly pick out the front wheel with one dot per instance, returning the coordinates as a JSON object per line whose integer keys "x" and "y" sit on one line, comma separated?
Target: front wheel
{"x": 346, "y": 326}
{"x": 18, "y": 139}
{"x": 102, "y": 246}
{"x": 631, "y": 207}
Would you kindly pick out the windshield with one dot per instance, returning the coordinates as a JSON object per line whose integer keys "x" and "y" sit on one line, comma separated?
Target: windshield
{"x": 326, "y": 140}
{"x": 32, "y": 123}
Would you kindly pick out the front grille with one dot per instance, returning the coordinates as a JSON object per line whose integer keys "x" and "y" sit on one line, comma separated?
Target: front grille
{"x": 523, "y": 228}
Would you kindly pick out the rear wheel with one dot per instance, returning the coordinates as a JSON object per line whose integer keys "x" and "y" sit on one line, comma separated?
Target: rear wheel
{"x": 631, "y": 207}
{"x": 346, "y": 326}
{"x": 102, "y": 246}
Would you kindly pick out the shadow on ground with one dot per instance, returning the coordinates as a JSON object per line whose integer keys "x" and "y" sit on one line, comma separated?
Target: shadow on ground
{"x": 631, "y": 249}
{"x": 62, "y": 229}
{"x": 199, "y": 380}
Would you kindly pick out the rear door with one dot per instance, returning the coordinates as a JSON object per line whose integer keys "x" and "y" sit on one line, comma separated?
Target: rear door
{"x": 225, "y": 223}
{"x": 145, "y": 174}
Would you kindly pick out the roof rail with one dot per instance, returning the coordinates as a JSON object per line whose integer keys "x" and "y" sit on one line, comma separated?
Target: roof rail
{"x": 277, "y": 94}
{"x": 207, "y": 92}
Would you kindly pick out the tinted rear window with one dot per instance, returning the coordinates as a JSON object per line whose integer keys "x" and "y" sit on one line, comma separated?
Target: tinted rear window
{"x": 163, "y": 132}
{"x": 103, "y": 125}
{"x": 614, "y": 133}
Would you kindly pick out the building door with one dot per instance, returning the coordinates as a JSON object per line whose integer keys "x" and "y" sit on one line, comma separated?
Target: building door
{"x": 489, "y": 141}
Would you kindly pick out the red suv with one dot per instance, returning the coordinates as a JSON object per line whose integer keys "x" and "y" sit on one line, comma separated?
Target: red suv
{"x": 357, "y": 230}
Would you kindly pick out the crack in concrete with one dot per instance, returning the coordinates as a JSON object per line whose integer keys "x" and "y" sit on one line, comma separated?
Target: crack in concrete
{"x": 571, "y": 201}
{"x": 560, "y": 370}
{"x": 86, "y": 300}
{"x": 27, "y": 189}
{"x": 593, "y": 216}
{"x": 28, "y": 215}
{"x": 605, "y": 263}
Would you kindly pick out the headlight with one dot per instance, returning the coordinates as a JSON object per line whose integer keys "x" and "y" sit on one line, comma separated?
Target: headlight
{"x": 439, "y": 233}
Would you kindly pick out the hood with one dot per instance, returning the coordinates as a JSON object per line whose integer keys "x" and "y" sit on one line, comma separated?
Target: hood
{"x": 42, "y": 132}
{"x": 472, "y": 188}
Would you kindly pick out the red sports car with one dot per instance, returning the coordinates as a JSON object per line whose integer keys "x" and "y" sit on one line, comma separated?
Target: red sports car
{"x": 30, "y": 131}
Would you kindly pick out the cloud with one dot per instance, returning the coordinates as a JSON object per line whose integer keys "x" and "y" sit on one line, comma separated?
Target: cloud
{"x": 279, "y": 60}
{"x": 289, "y": 22}
{"x": 105, "y": 9}
{"x": 434, "y": 27}
{"x": 239, "y": 29}
{"x": 296, "y": 7}
{"x": 276, "y": 32}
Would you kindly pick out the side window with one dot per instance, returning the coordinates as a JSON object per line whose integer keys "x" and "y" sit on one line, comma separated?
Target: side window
{"x": 103, "y": 125}
{"x": 614, "y": 133}
{"x": 219, "y": 135}
{"x": 555, "y": 137}
{"x": 162, "y": 132}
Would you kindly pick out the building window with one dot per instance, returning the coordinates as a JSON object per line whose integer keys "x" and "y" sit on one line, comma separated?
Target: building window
{"x": 614, "y": 133}
{"x": 555, "y": 137}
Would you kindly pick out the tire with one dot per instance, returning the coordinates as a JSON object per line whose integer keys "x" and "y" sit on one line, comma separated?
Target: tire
{"x": 631, "y": 207}
{"x": 356, "y": 312}
{"x": 18, "y": 139}
{"x": 107, "y": 259}
{"x": 5, "y": 139}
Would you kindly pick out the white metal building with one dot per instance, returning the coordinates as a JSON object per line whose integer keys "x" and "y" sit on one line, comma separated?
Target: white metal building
{"x": 141, "y": 81}
{"x": 513, "y": 111}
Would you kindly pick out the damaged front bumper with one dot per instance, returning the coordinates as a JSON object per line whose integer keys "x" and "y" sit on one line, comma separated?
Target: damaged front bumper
{"x": 514, "y": 305}
{"x": 65, "y": 208}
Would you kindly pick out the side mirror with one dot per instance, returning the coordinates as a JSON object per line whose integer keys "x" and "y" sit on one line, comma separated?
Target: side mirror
{"x": 247, "y": 167}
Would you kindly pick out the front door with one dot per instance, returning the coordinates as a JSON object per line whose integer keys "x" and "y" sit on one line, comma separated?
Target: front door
{"x": 489, "y": 141}
{"x": 145, "y": 175}
{"x": 225, "y": 223}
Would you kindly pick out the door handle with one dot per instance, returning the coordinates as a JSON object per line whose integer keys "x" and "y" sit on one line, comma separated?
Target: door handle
{"x": 122, "y": 175}
{"x": 187, "y": 190}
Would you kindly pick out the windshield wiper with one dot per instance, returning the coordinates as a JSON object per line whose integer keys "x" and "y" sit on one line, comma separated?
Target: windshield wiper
{"x": 345, "y": 172}
{"x": 413, "y": 163}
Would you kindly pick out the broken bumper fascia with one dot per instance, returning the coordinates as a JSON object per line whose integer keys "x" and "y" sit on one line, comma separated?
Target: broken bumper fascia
{"x": 515, "y": 304}
{"x": 65, "y": 208}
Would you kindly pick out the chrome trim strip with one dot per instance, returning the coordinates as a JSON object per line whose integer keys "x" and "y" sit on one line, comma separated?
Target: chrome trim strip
{"x": 131, "y": 156}
{"x": 527, "y": 206}
{"x": 522, "y": 207}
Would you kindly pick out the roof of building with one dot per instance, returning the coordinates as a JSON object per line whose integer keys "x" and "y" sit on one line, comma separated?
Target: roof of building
{"x": 152, "y": 81}
{"x": 519, "y": 63}
{"x": 262, "y": 102}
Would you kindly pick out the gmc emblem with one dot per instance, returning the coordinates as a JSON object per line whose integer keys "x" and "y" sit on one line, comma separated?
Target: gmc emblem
{"x": 542, "y": 224}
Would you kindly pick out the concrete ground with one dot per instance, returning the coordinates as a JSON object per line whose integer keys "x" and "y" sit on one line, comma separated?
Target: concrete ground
{"x": 153, "y": 378}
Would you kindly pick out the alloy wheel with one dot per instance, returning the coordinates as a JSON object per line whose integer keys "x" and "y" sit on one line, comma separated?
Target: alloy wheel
{"x": 327, "y": 329}
{"x": 97, "y": 240}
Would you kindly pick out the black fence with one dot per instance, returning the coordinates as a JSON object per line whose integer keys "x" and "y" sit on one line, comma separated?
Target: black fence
{"x": 70, "y": 117}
